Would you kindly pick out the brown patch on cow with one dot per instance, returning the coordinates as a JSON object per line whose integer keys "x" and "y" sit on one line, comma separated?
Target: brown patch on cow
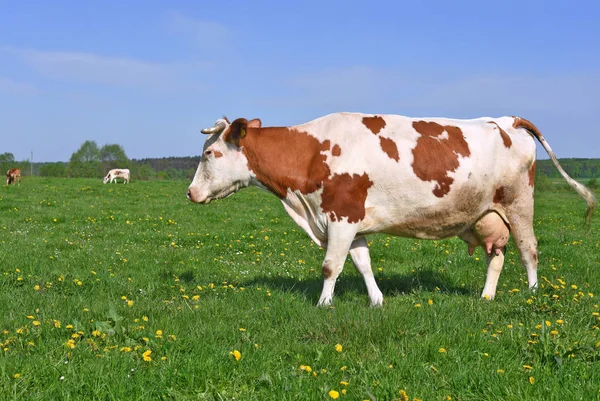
{"x": 336, "y": 151}
{"x": 435, "y": 157}
{"x": 389, "y": 147}
{"x": 284, "y": 158}
{"x": 327, "y": 272}
{"x": 499, "y": 195}
{"x": 531, "y": 174}
{"x": 535, "y": 256}
{"x": 375, "y": 124}
{"x": 344, "y": 195}
{"x": 218, "y": 154}
{"x": 505, "y": 137}
{"x": 528, "y": 125}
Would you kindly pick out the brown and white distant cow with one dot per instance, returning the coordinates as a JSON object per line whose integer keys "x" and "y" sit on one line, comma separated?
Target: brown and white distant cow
{"x": 117, "y": 173}
{"x": 13, "y": 176}
{"x": 346, "y": 175}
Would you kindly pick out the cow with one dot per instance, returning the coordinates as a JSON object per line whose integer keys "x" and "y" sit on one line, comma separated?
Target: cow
{"x": 13, "y": 176}
{"x": 117, "y": 173}
{"x": 346, "y": 175}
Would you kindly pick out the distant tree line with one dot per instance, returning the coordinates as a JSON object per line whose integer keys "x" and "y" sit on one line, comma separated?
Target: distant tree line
{"x": 578, "y": 168}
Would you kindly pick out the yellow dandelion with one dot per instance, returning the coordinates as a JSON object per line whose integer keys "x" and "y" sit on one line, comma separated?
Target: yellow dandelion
{"x": 500, "y": 371}
{"x": 531, "y": 379}
{"x": 36, "y": 287}
{"x": 560, "y": 321}
{"x": 417, "y": 305}
{"x": 442, "y": 350}
{"x": 430, "y": 302}
{"x": 145, "y": 318}
{"x": 554, "y": 332}
{"x": 344, "y": 383}
{"x": 70, "y": 343}
{"x": 339, "y": 348}
{"x": 16, "y": 375}
{"x": 236, "y": 354}
{"x": 36, "y": 323}
{"x": 242, "y": 329}
{"x": 146, "y": 355}
{"x": 96, "y": 333}
{"x": 343, "y": 368}
{"x": 158, "y": 334}
{"x": 527, "y": 367}
{"x": 129, "y": 303}
{"x": 334, "y": 394}
{"x": 403, "y": 395}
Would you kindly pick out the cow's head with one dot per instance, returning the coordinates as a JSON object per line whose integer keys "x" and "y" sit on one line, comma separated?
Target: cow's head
{"x": 223, "y": 169}
{"x": 107, "y": 178}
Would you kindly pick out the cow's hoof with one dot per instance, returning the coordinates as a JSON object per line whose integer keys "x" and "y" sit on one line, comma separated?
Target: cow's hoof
{"x": 377, "y": 300}
{"x": 488, "y": 297}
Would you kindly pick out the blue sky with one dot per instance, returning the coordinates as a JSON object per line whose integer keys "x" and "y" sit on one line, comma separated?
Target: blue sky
{"x": 150, "y": 74}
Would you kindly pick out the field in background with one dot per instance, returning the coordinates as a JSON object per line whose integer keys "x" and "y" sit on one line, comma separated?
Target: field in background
{"x": 132, "y": 292}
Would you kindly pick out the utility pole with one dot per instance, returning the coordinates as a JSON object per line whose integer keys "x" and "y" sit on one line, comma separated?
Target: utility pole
{"x": 31, "y": 163}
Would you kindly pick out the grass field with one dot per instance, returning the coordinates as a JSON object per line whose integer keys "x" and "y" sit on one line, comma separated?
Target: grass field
{"x": 130, "y": 292}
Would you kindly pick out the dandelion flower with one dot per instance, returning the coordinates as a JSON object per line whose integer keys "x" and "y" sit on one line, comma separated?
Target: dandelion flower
{"x": 16, "y": 375}
{"x": 146, "y": 355}
{"x": 236, "y": 354}
{"x": 403, "y": 395}
{"x": 339, "y": 348}
{"x": 531, "y": 379}
{"x": 442, "y": 350}
{"x": 334, "y": 394}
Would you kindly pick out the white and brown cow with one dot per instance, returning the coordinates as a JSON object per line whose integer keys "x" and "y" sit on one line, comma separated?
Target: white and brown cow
{"x": 13, "y": 176}
{"x": 346, "y": 175}
{"x": 117, "y": 173}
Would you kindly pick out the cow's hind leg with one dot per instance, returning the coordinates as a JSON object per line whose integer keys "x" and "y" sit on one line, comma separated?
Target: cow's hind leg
{"x": 359, "y": 251}
{"x": 339, "y": 238}
{"x": 521, "y": 224}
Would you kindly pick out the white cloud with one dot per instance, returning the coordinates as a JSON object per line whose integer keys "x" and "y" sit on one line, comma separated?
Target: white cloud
{"x": 205, "y": 33}
{"x": 10, "y": 86}
{"x": 113, "y": 71}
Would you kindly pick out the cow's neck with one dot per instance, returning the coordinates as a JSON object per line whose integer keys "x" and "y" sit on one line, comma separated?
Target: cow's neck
{"x": 286, "y": 159}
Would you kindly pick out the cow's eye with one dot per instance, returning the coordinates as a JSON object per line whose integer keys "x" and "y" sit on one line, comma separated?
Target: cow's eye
{"x": 208, "y": 153}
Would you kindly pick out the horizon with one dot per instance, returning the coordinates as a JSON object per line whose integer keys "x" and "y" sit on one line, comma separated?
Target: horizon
{"x": 149, "y": 75}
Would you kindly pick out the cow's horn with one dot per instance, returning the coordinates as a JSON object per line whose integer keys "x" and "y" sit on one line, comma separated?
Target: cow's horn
{"x": 218, "y": 127}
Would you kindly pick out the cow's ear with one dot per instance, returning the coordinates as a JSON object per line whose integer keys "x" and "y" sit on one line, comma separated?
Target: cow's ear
{"x": 236, "y": 131}
{"x": 254, "y": 123}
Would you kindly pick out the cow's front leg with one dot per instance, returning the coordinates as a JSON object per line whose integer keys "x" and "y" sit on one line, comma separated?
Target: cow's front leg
{"x": 339, "y": 239}
{"x": 359, "y": 251}
{"x": 495, "y": 261}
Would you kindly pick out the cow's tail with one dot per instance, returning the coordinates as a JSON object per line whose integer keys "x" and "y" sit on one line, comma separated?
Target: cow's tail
{"x": 581, "y": 189}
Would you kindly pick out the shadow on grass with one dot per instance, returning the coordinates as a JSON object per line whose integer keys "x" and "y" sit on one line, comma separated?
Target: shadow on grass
{"x": 390, "y": 285}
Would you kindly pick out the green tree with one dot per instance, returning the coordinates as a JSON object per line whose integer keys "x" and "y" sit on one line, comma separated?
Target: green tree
{"x": 85, "y": 162}
{"x": 113, "y": 156}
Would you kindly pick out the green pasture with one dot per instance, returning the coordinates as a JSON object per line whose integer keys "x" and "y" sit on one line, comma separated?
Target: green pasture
{"x": 131, "y": 292}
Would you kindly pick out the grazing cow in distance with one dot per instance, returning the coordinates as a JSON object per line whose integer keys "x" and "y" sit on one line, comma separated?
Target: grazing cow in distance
{"x": 117, "y": 173}
{"x": 346, "y": 175}
{"x": 13, "y": 176}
